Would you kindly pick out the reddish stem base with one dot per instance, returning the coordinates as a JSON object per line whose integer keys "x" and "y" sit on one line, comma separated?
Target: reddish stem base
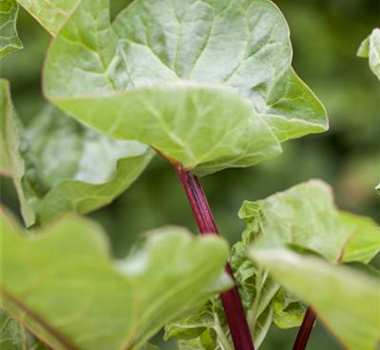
{"x": 233, "y": 307}
{"x": 305, "y": 330}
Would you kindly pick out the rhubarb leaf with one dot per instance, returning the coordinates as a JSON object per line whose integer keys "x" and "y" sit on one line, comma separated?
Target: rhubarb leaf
{"x": 207, "y": 83}
{"x": 370, "y": 48}
{"x": 62, "y": 166}
{"x": 62, "y": 284}
{"x": 345, "y": 300}
{"x": 305, "y": 218}
{"x": 9, "y": 40}
{"x": 15, "y": 337}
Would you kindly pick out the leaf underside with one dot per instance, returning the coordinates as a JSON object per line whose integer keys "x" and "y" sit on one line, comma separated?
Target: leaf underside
{"x": 60, "y": 166}
{"x": 62, "y": 285}
{"x": 208, "y": 83}
{"x": 346, "y": 301}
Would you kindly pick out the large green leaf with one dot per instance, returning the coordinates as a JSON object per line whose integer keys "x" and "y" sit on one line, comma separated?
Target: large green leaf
{"x": 60, "y": 165}
{"x": 9, "y": 40}
{"x": 15, "y": 337}
{"x": 62, "y": 285}
{"x": 370, "y": 48}
{"x": 207, "y": 83}
{"x": 305, "y": 218}
{"x": 345, "y": 300}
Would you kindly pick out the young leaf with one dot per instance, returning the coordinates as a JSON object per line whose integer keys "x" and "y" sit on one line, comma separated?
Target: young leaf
{"x": 305, "y": 218}
{"x": 15, "y": 337}
{"x": 263, "y": 299}
{"x": 206, "y": 83}
{"x": 345, "y": 300}
{"x": 62, "y": 285}
{"x": 48, "y": 181}
{"x": 370, "y": 48}
{"x": 9, "y": 40}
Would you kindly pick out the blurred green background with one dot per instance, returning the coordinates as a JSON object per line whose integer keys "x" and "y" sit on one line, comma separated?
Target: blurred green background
{"x": 325, "y": 36}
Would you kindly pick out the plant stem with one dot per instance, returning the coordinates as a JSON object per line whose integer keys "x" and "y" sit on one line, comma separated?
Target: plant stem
{"x": 305, "y": 330}
{"x": 232, "y": 304}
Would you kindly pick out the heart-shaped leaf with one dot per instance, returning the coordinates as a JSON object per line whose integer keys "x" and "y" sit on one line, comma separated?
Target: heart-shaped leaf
{"x": 60, "y": 165}
{"x": 345, "y": 300}
{"x": 208, "y": 83}
{"x": 9, "y": 40}
{"x": 62, "y": 285}
{"x": 370, "y": 48}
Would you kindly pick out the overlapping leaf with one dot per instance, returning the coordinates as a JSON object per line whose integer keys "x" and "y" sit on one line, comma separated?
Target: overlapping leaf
{"x": 370, "y": 48}
{"x": 303, "y": 221}
{"x": 60, "y": 165}
{"x": 305, "y": 218}
{"x": 345, "y": 300}
{"x": 208, "y": 83}
{"x": 263, "y": 299}
{"x": 63, "y": 285}
{"x": 9, "y": 40}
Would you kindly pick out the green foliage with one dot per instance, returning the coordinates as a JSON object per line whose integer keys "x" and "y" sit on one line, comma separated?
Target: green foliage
{"x": 62, "y": 284}
{"x": 15, "y": 337}
{"x": 210, "y": 91}
{"x": 370, "y": 48}
{"x": 346, "y": 301}
{"x": 9, "y": 40}
{"x": 51, "y": 14}
{"x": 61, "y": 166}
{"x": 303, "y": 219}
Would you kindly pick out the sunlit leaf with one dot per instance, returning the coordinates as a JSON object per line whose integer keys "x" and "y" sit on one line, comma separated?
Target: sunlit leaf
{"x": 60, "y": 165}
{"x": 305, "y": 218}
{"x": 62, "y": 284}
{"x": 9, "y": 40}
{"x": 345, "y": 300}
{"x": 370, "y": 48}
{"x": 208, "y": 83}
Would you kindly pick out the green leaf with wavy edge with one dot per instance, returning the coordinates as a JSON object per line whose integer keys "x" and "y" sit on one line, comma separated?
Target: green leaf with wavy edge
{"x": 62, "y": 284}
{"x": 15, "y": 337}
{"x": 208, "y": 83}
{"x": 264, "y": 302}
{"x": 50, "y": 183}
{"x": 305, "y": 218}
{"x": 370, "y": 48}
{"x": 9, "y": 40}
{"x": 346, "y": 300}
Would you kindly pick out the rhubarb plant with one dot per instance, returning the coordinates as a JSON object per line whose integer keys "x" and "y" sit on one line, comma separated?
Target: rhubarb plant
{"x": 208, "y": 85}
